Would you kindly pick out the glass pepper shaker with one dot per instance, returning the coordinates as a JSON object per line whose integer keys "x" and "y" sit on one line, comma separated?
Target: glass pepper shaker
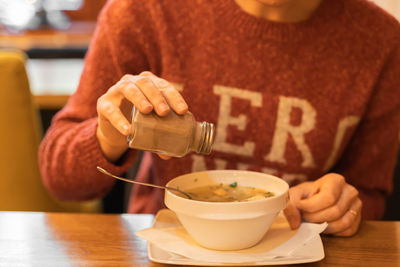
{"x": 172, "y": 135}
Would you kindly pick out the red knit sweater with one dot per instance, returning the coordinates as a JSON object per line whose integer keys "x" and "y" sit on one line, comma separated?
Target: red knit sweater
{"x": 296, "y": 100}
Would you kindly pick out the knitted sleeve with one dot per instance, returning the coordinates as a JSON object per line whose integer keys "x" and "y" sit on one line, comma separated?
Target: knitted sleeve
{"x": 70, "y": 152}
{"x": 369, "y": 160}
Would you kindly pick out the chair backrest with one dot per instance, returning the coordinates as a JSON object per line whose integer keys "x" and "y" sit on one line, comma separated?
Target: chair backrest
{"x": 21, "y": 187}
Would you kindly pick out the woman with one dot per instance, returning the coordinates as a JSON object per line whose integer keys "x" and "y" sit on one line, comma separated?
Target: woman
{"x": 303, "y": 89}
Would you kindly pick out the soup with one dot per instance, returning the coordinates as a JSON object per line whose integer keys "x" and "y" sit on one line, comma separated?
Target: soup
{"x": 228, "y": 193}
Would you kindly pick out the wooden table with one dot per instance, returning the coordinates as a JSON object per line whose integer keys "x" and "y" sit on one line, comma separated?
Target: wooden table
{"x": 62, "y": 239}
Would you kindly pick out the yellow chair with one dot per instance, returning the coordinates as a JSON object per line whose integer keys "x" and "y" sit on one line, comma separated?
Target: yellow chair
{"x": 21, "y": 187}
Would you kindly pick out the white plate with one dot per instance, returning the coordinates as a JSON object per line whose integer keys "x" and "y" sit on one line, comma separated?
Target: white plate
{"x": 311, "y": 251}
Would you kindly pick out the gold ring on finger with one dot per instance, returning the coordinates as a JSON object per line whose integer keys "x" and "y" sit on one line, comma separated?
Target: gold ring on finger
{"x": 355, "y": 213}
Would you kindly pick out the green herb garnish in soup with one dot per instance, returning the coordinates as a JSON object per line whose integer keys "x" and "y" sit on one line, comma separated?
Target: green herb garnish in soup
{"x": 227, "y": 193}
{"x": 234, "y": 184}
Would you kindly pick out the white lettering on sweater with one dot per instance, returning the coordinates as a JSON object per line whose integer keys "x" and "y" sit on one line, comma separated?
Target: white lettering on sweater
{"x": 199, "y": 164}
{"x": 288, "y": 177}
{"x": 224, "y": 119}
{"x": 291, "y": 177}
{"x": 343, "y": 125}
{"x": 242, "y": 166}
{"x": 284, "y": 128}
{"x": 269, "y": 171}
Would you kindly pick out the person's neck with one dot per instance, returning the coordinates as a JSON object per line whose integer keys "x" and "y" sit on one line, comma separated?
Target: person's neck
{"x": 289, "y": 11}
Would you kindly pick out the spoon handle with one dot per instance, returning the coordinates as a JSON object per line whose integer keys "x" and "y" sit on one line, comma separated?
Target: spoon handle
{"x": 141, "y": 183}
{"x": 127, "y": 180}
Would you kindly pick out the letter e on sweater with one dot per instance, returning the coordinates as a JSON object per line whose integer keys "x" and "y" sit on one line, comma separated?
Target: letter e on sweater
{"x": 283, "y": 128}
{"x": 224, "y": 119}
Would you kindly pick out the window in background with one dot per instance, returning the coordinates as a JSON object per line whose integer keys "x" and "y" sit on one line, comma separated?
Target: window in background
{"x": 19, "y": 15}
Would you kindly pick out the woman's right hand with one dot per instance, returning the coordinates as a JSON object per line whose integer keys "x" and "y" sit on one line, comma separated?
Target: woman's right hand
{"x": 146, "y": 92}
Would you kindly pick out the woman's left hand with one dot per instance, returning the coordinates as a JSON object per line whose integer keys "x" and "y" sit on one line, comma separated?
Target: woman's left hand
{"x": 328, "y": 199}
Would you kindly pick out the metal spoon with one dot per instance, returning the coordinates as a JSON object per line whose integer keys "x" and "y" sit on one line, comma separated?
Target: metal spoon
{"x": 141, "y": 183}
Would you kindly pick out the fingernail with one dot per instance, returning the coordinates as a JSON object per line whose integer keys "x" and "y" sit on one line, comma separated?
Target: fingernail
{"x": 145, "y": 105}
{"x": 163, "y": 108}
{"x": 162, "y": 83}
{"x": 182, "y": 106}
{"x": 125, "y": 129}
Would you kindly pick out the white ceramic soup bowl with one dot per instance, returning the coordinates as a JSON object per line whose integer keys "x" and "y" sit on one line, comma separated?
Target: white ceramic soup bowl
{"x": 227, "y": 225}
